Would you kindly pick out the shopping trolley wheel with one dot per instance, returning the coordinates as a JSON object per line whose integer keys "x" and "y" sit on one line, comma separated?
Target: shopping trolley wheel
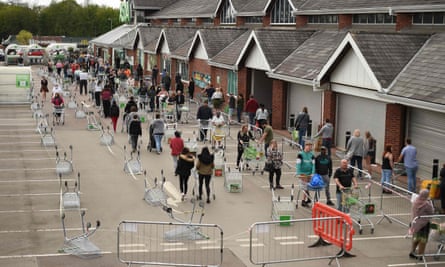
{"x": 262, "y": 172}
{"x": 360, "y": 231}
{"x": 372, "y": 230}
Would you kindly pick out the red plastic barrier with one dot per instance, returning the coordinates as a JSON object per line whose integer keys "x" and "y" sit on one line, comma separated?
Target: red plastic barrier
{"x": 332, "y": 230}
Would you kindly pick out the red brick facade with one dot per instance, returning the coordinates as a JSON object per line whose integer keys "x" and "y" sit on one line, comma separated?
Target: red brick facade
{"x": 344, "y": 21}
{"x": 330, "y": 107}
{"x": 395, "y": 127}
{"x": 279, "y": 96}
{"x": 301, "y": 21}
{"x": 403, "y": 21}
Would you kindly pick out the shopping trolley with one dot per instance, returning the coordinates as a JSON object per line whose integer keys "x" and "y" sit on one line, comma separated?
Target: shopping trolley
{"x": 192, "y": 145}
{"x": 437, "y": 234}
{"x": 283, "y": 208}
{"x": 154, "y": 194}
{"x": 204, "y": 127}
{"x": 398, "y": 170}
{"x": 220, "y": 164}
{"x": 69, "y": 200}
{"x": 169, "y": 131}
{"x": 64, "y": 166}
{"x": 254, "y": 158}
{"x": 188, "y": 232}
{"x": 58, "y": 115}
{"x": 233, "y": 181}
{"x": 106, "y": 137}
{"x": 218, "y": 135}
{"x": 80, "y": 245}
{"x": 132, "y": 164}
{"x": 359, "y": 210}
{"x": 47, "y": 139}
{"x": 80, "y": 112}
{"x": 72, "y": 103}
{"x": 41, "y": 123}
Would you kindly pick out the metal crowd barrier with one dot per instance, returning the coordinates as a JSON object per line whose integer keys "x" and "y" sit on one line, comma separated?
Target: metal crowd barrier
{"x": 317, "y": 238}
{"x": 169, "y": 243}
{"x": 395, "y": 206}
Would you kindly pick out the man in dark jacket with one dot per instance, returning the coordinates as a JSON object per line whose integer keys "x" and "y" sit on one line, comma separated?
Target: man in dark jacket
{"x": 180, "y": 100}
{"x": 204, "y": 115}
{"x": 135, "y": 130}
{"x": 323, "y": 166}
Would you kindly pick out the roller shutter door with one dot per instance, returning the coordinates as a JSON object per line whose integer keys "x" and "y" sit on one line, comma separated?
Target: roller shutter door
{"x": 427, "y": 132}
{"x": 301, "y": 96}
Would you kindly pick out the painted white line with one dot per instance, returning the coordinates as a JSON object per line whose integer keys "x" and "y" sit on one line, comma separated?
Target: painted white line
{"x": 35, "y": 181}
{"x": 175, "y": 249}
{"x": 29, "y": 211}
{"x": 39, "y": 231}
{"x": 19, "y": 143}
{"x": 23, "y": 150}
{"x": 134, "y": 250}
{"x": 26, "y": 159}
{"x": 211, "y": 247}
{"x": 379, "y": 238}
{"x": 27, "y": 169}
{"x": 205, "y": 242}
{"x": 42, "y": 255}
{"x": 172, "y": 244}
{"x": 292, "y": 243}
{"x": 131, "y": 245}
{"x": 285, "y": 237}
{"x": 30, "y": 195}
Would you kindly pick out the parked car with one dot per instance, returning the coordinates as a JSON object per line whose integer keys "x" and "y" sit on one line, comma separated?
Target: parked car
{"x": 2, "y": 55}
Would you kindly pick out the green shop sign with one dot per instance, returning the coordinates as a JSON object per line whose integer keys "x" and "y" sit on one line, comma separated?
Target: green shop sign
{"x": 22, "y": 81}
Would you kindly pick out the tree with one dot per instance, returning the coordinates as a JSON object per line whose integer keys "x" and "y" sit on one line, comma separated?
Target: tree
{"x": 23, "y": 37}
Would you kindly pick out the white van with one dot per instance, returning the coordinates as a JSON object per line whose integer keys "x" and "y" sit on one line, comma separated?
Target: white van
{"x": 54, "y": 47}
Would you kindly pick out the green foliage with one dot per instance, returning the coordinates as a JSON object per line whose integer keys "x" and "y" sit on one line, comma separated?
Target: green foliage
{"x": 66, "y": 18}
{"x": 23, "y": 37}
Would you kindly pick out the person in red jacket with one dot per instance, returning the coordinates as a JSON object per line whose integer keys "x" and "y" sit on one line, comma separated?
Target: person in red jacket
{"x": 251, "y": 108}
{"x": 176, "y": 146}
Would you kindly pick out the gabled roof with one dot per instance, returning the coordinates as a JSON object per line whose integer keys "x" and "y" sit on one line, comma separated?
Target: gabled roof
{"x": 369, "y": 6}
{"x": 176, "y": 36}
{"x": 423, "y": 77}
{"x": 149, "y": 34}
{"x": 307, "y": 60}
{"x": 183, "y": 51}
{"x": 151, "y": 4}
{"x": 251, "y": 7}
{"x": 228, "y": 57}
{"x": 109, "y": 38}
{"x": 216, "y": 39}
{"x": 276, "y": 45}
{"x": 126, "y": 40}
{"x": 383, "y": 54}
{"x": 187, "y": 9}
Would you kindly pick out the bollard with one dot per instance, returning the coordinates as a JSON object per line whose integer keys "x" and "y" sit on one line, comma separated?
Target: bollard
{"x": 309, "y": 128}
{"x": 435, "y": 172}
{"x": 348, "y": 136}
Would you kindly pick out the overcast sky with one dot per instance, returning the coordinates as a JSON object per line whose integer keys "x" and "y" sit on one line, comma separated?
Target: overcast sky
{"x": 110, "y": 3}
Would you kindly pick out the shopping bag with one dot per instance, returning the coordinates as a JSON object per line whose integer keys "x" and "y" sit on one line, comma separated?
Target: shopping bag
{"x": 316, "y": 181}
{"x": 295, "y": 135}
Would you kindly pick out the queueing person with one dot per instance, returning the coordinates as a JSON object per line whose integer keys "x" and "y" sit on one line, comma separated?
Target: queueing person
{"x": 205, "y": 166}
{"x": 420, "y": 227}
{"x": 186, "y": 162}
{"x": 356, "y": 148}
{"x": 306, "y": 168}
{"x": 44, "y": 88}
{"x": 114, "y": 114}
{"x": 323, "y": 166}
{"x": 176, "y": 146}
{"x": 344, "y": 178}
{"x": 409, "y": 156}
{"x": 326, "y": 132}
{"x": 244, "y": 137}
{"x": 134, "y": 130}
{"x": 204, "y": 115}
{"x": 275, "y": 157}
{"x": 158, "y": 132}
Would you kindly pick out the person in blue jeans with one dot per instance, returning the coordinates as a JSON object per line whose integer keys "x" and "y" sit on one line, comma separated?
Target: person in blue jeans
{"x": 301, "y": 125}
{"x": 356, "y": 147}
{"x": 409, "y": 156}
{"x": 158, "y": 132}
{"x": 387, "y": 166}
{"x": 344, "y": 178}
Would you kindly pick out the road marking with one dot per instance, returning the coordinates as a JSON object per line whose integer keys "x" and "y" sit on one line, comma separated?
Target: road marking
{"x": 35, "y": 181}
{"x": 26, "y": 159}
{"x": 175, "y": 249}
{"x": 172, "y": 244}
{"x": 205, "y": 242}
{"x": 211, "y": 247}
{"x": 29, "y": 211}
{"x": 253, "y": 245}
{"x": 292, "y": 243}
{"x": 20, "y": 143}
{"x": 131, "y": 245}
{"x": 27, "y": 169}
{"x": 30, "y": 194}
{"x": 246, "y": 239}
{"x": 379, "y": 237}
{"x": 134, "y": 250}
{"x": 285, "y": 237}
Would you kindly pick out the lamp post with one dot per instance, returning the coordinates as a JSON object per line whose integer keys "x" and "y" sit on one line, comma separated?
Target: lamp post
{"x": 111, "y": 23}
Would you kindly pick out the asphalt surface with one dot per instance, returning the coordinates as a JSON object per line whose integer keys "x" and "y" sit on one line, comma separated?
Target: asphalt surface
{"x": 30, "y": 215}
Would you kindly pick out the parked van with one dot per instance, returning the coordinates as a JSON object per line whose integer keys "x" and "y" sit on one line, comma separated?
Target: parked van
{"x": 34, "y": 54}
{"x": 13, "y": 52}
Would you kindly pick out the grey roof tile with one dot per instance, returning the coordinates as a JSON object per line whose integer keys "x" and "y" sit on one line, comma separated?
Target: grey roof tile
{"x": 176, "y": 36}
{"x": 309, "y": 58}
{"x": 151, "y": 4}
{"x": 187, "y": 9}
{"x": 250, "y": 6}
{"x": 341, "y": 5}
{"x": 387, "y": 54}
{"x": 230, "y": 54}
{"x": 183, "y": 49}
{"x": 279, "y": 44}
{"x": 216, "y": 39}
{"x": 109, "y": 38}
{"x": 422, "y": 79}
{"x": 149, "y": 34}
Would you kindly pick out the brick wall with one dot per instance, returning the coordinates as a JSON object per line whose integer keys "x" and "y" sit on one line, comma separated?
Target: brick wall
{"x": 242, "y": 83}
{"x": 330, "y": 107}
{"x": 279, "y": 96}
{"x": 240, "y": 21}
{"x": 301, "y": 21}
{"x": 395, "y": 127}
{"x": 198, "y": 22}
{"x": 403, "y": 21}
{"x": 344, "y": 21}
{"x": 266, "y": 20}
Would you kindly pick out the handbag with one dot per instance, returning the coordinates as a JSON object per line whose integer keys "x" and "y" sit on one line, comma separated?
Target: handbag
{"x": 316, "y": 181}
{"x": 268, "y": 166}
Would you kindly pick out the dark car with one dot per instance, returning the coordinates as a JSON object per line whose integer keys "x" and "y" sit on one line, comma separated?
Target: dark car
{"x": 36, "y": 52}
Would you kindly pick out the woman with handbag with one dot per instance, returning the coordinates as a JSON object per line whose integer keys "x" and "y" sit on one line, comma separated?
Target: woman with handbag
{"x": 273, "y": 164}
